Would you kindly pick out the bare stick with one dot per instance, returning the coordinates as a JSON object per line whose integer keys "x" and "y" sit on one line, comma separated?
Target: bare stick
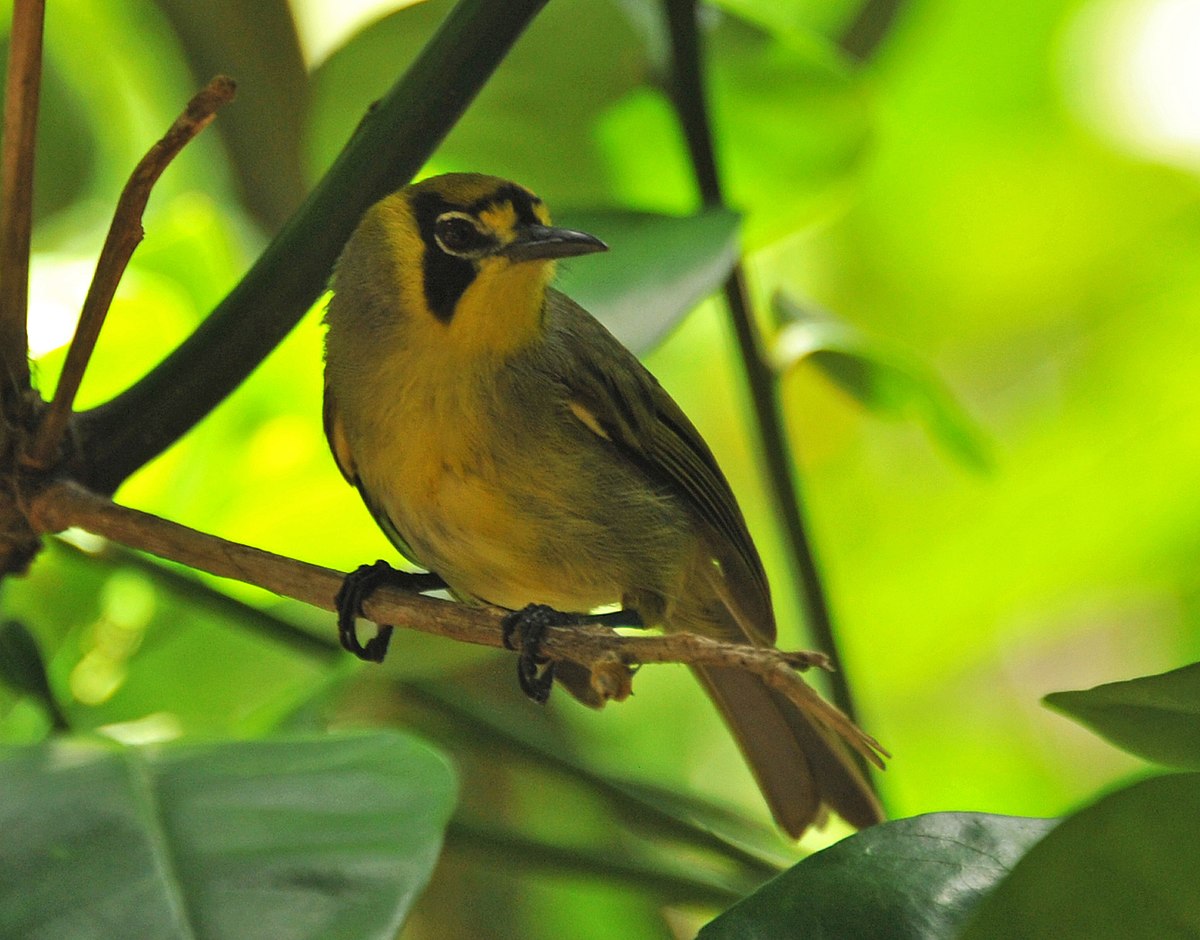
{"x": 124, "y": 235}
{"x": 22, "y": 92}
{"x": 610, "y": 656}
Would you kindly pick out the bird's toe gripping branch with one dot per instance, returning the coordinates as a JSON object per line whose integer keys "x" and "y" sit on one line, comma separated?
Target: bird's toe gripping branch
{"x": 360, "y": 584}
{"x": 535, "y": 672}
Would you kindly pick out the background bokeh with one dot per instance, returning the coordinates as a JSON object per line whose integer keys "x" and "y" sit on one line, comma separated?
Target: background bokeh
{"x": 1005, "y": 195}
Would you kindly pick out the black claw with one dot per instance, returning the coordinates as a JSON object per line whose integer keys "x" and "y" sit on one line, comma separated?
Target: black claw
{"x": 356, "y": 588}
{"x": 535, "y": 673}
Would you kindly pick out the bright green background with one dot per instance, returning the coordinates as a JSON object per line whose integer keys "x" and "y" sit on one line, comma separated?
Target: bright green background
{"x": 950, "y": 199}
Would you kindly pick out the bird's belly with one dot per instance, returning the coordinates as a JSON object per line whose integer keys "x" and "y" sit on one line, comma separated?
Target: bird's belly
{"x": 490, "y": 544}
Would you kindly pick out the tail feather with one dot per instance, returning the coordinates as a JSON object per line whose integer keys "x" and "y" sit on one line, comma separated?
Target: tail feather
{"x": 801, "y": 768}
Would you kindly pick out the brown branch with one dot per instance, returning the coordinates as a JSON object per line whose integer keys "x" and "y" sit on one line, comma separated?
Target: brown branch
{"x": 22, "y": 92}
{"x": 124, "y": 235}
{"x": 611, "y": 657}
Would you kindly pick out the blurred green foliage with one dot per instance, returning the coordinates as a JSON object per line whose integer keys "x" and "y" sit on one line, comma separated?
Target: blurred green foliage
{"x": 949, "y": 199}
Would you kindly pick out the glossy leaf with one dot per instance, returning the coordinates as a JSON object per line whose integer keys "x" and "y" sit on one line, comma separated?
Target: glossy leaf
{"x": 1123, "y": 867}
{"x": 1154, "y": 717}
{"x": 657, "y": 269}
{"x": 304, "y": 837}
{"x": 912, "y": 878}
{"x": 881, "y": 377}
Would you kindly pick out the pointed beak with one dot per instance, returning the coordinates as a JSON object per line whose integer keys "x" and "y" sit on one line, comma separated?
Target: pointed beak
{"x": 541, "y": 242}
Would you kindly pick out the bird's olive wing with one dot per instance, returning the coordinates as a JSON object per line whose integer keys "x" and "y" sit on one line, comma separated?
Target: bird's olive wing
{"x": 617, "y": 398}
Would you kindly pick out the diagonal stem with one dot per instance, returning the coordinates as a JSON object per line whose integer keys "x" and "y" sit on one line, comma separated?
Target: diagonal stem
{"x": 516, "y": 852}
{"x": 688, "y": 97}
{"x": 124, "y": 235}
{"x": 22, "y": 92}
{"x": 395, "y": 138}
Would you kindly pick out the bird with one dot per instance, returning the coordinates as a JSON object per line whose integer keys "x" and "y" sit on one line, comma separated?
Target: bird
{"x": 505, "y": 441}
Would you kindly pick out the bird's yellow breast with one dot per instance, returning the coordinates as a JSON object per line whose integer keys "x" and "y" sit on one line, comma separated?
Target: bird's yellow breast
{"x": 428, "y": 462}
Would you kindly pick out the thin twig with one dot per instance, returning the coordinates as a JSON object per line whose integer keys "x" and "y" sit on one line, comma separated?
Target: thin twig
{"x": 653, "y": 811}
{"x": 611, "y": 657}
{"x": 688, "y": 95}
{"x": 514, "y": 852}
{"x": 124, "y": 235}
{"x": 22, "y": 92}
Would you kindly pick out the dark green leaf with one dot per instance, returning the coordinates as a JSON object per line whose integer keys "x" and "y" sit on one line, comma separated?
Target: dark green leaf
{"x": 657, "y": 269}
{"x": 1154, "y": 717}
{"x": 913, "y": 878}
{"x": 881, "y": 377}
{"x": 1123, "y": 867}
{"x": 306, "y": 837}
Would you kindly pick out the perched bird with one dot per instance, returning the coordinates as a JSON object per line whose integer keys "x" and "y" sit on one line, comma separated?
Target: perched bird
{"x": 506, "y": 441}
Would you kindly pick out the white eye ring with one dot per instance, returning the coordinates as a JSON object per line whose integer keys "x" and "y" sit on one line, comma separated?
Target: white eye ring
{"x": 458, "y": 234}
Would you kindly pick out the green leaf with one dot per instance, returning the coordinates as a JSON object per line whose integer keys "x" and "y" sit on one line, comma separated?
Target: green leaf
{"x": 881, "y": 377}
{"x": 1123, "y": 867}
{"x": 912, "y": 878}
{"x": 1154, "y": 717}
{"x": 656, "y": 270}
{"x": 302, "y": 837}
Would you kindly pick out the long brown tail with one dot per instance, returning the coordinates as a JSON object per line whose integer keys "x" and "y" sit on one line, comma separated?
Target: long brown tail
{"x": 801, "y": 768}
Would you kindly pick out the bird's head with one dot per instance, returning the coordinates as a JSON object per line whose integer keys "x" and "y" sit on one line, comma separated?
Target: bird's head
{"x": 464, "y": 253}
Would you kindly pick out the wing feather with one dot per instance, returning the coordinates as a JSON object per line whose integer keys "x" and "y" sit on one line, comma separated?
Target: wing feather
{"x": 627, "y": 406}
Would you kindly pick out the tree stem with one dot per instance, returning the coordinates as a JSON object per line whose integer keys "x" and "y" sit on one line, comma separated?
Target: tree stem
{"x": 22, "y": 93}
{"x": 515, "y": 852}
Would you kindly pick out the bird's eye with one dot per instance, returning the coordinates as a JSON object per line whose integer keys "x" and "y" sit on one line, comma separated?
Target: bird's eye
{"x": 458, "y": 235}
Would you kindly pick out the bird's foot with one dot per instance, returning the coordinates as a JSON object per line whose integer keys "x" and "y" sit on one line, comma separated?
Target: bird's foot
{"x": 535, "y": 672}
{"x": 360, "y": 584}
